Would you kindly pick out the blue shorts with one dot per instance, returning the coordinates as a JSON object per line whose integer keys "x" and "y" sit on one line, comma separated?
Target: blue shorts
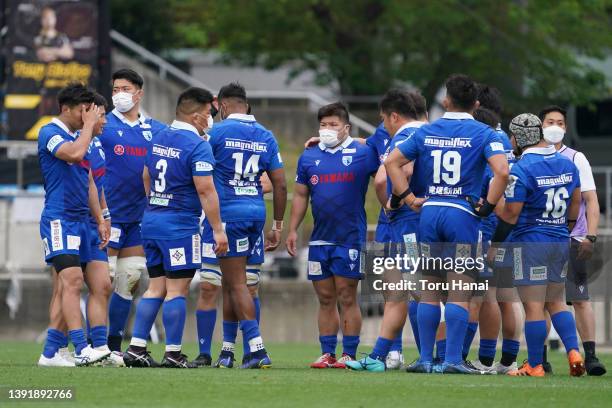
{"x": 404, "y": 238}
{"x": 485, "y": 244}
{"x": 96, "y": 254}
{"x": 325, "y": 261}
{"x": 211, "y": 272}
{"x": 449, "y": 232}
{"x": 61, "y": 237}
{"x": 245, "y": 238}
{"x": 174, "y": 254}
{"x": 540, "y": 259}
{"x": 383, "y": 232}
{"x": 125, "y": 235}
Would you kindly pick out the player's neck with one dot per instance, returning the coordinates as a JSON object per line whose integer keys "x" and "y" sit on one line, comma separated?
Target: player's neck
{"x": 558, "y": 146}
{"x": 542, "y": 144}
{"x": 63, "y": 119}
{"x": 133, "y": 114}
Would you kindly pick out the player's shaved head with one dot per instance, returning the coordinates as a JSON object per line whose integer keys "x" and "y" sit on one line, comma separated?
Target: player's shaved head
{"x": 193, "y": 100}
{"x": 462, "y": 92}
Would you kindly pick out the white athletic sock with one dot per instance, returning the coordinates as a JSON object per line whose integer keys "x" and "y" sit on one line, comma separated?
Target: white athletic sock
{"x": 138, "y": 342}
{"x": 227, "y": 346}
{"x": 256, "y": 344}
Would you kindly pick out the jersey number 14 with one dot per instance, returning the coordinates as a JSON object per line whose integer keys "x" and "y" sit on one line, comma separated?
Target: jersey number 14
{"x": 251, "y": 168}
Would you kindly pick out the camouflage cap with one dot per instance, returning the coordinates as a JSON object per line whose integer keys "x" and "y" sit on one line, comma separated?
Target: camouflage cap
{"x": 527, "y": 129}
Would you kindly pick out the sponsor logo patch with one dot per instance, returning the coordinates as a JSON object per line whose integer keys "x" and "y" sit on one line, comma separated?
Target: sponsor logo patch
{"x": 73, "y": 241}
{"x": 119, "y": 150}
{"x": 347, "y": 160}
{"x": 314, "y": 268}
{"x": 177, "y": 256}
{"x": 53, "y": 142}
{"x": 208, "y": 250}
{"x": 115, "y": 234}
{"x": 57, "y": 243}
{"x": 242, "y": 244}
{"x": 203, "y": 166}
{"x": 538, "y": 273}
{"x": 195, "y": 249}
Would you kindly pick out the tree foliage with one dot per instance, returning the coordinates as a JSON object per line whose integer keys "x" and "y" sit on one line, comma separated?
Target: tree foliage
{"x": 534, "y": 51}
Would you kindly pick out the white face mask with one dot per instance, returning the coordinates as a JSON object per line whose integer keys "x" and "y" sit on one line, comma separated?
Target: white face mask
{"x": 553, "y": 134}
{"x": 123, "y": 101}
{"x": 329, "y": 137}
{"x": 211, "y": 122}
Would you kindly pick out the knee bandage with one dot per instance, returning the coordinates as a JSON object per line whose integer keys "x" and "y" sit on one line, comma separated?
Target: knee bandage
{"x": 112, "y": 266}
{"x": 211, "y": 273}
{"x": 128, "y": 274}
{"x": 252, "y": 274}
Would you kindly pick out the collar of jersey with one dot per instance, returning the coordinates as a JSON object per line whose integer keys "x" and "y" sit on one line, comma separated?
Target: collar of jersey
{"x": 63, "y": 126}
{"x": 344, "y": 145}
{"x": 540, "y": 150}
{"x": 413, "y": 124}
{"x": 457, "y": 115}
{"x": 178, "y": 124}
{"x": 242, "y": 116}
{"x": 141, "y": 118}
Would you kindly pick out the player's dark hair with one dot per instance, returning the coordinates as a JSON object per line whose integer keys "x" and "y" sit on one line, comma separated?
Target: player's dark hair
{"x": 398, "y": 101}
{"x": 74, "y": 94}
{"x": 486, "y": 116}
{"x": 99, "y": 100}
{"x": 490, "y": 98}
{"x": 419, "y": 102}
{"x": 129, "y": 75}
{"x": 234, "y": 91}
{"x": 334, "y": 109}
{"x": 462, "y": 91}
{"x": 552, "y": 108}
{"x": 192, "y": 99}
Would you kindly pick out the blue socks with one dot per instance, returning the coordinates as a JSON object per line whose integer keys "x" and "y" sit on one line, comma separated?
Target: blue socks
{"x": 486, "y": 351}
{"x": 146, "y": 312}
{"x": 413, "y": 308}
{"x": 328, "y": 344}
{"x": 397, "y": 343}
{"x": 535, "y": 334}
{"x": 230, "y": 331}
{"x": 510, "y": 349}
{"x": 174, "y": 313}
{"x": 349, "y": 345}
{"x": 441, "y": 350}
{"x": 456, "y": 325}
{"x": 250, "y": 329}
{"x": 55, "y": 340}
{"x": 77, "y": 337}
{"x": 118, "y": 313}
{"x": 472, "y": 327}
{"x": 245, "y": 343}
{"x": 98, "y": 336}
{"x": 205, "y": 321}
{"x": 381, "y": 349}
{"x": 428, "y": 318}
{"x": 565, "y": 325}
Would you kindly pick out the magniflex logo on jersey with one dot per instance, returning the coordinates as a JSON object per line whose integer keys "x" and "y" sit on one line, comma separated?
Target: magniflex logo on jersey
{"x": 562, "y": 179}
{"x": 164, "y": 151}
{"x": 439, "y": 141}
{"x": 247, "y": 145}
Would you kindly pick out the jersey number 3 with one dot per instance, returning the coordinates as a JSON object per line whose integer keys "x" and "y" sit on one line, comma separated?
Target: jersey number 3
{"x": 160, "y": 181}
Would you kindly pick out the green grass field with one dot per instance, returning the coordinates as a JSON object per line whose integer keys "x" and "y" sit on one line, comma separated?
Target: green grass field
{"x": 291, "y": 384}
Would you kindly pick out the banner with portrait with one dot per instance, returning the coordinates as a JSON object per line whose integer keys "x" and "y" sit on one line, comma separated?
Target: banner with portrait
{"x": 48, "y": 45}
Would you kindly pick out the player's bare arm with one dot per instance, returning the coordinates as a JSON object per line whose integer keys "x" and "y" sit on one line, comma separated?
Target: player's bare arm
{"x": 96, "y": 212}
{"x": 279, "y": 197}
{"x": 585, "y": 250}
{"x": 499, "y": 166}
{"x": 574, "y": 208}
{"x": 146, "y": 179}
{"x": 210, "y": 204}
{"x": 380, "y": 184}
{"x": 299, "y": 206}
{"x": 75, "y": 151}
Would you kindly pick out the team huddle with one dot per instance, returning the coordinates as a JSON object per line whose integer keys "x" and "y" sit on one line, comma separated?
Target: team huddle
{"x": 126, "y": 194}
